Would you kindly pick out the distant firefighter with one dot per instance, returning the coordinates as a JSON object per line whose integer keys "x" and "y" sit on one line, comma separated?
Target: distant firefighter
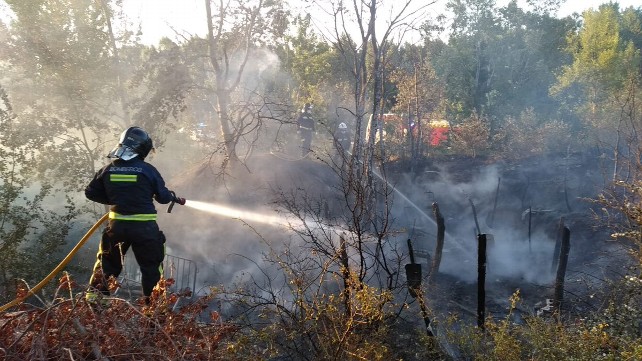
{"x": 305, "y": 125}
{"x": 342, "y": 139}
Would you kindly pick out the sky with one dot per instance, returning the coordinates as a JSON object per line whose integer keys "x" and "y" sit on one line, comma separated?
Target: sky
{"x": 167, "y": 17}
{"x": 176, "y": 18}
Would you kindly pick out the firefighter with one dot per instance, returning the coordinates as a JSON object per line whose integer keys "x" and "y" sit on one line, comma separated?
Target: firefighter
{"x": 305, "y": 127}
{"x": 342, "y": 140}
{"x": 129, "y": 185}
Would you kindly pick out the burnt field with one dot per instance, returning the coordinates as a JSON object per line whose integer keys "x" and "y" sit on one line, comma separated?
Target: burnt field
{"x": 520, "y": 206}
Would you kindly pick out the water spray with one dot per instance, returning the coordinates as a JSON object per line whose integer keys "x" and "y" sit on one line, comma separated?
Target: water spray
{"x": 421, "y": 211}
{"x": 244, "y": 215}
{"x": 405, "y": 198}
{"x": 456, "y": 242}
{"x": 305, "y": 225}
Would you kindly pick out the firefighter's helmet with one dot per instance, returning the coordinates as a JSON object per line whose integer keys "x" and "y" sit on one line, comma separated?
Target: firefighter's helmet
{"x": 343, "y": 126}
{"x": 133, "y": 142}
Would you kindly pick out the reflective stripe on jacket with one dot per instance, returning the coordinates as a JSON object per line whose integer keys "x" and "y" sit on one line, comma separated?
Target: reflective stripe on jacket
{"x": 133, "y": 217}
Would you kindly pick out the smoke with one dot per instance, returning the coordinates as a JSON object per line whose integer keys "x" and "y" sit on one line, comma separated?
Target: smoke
{"x": 229, "y": 230}
{"x": 231, "y": 223}
{"x": 221, "y": 245}
{"x": 518, "y": 209}
{"x": 228, "y": 236}
{"x": 228, "y": 227}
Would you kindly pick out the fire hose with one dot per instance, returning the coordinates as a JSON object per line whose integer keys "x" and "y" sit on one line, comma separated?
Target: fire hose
{"x": 60, "y": 266}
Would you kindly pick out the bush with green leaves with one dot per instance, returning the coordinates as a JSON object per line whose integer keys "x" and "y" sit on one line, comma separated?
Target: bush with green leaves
{"x": 32, "y": 231}
{"x": 542, "y": 338}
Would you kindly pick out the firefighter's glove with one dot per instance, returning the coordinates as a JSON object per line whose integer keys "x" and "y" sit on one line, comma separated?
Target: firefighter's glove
{"x": 179, "y": 200}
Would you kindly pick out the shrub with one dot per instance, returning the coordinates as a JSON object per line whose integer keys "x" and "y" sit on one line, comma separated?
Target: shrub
{"x": 71, "y": 328}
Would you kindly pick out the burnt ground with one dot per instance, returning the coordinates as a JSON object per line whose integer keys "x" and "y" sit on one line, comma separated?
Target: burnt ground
{"x": 518, "y": 204}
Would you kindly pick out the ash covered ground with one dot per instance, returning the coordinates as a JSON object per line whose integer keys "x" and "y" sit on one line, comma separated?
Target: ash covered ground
{"x": 520, "y": 206}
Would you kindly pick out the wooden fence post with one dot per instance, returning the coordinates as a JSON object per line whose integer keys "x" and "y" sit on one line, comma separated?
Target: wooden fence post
{"x": 441, "y": 232}
{"x": 481, "y": 281}
{"x": 561, "y": 271}
{"x": 558, "y": 244}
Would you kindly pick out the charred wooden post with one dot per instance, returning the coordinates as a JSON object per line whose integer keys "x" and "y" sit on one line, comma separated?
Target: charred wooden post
{"x": 441, "y": 232}
{"x": 475, "y": 216}
{"x": 424, "y": 314}
{"x": 558, "y": 244}
{"x": 345, "y": 270}
{"x": 492, "y": 215}
{"x": 530, "y": 222}
{"x": 561, "y": 271}
{"x": 481, "y": 281}
{"x": 568, "y": 156}
{"x": 413, "y": 277}
{"x": 413, "y": 273}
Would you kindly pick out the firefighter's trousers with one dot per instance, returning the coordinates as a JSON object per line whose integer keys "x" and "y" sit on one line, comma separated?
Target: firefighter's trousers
{"x": 147, "y": 243}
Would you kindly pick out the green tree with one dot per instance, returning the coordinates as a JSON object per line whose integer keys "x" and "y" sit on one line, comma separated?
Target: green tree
{"x": 501, "y": 60}
{"x": 77, "y": 83}
{"x": 466, "y": 65}
{"x": 236, "y": 31}
{"x": 159, "y": 86}
{"x": 32, "y": 231}
{"x": 420, "y": 96}
{"x": 525, "y": 56}
{"x": 602, "y": 83}
{"x": 307, "y": 58}
{"x": 602, "y": 61}
{"x": 60, "y": 60}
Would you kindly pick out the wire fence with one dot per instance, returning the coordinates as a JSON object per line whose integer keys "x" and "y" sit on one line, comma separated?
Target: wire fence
{"x": 182, "y": 270}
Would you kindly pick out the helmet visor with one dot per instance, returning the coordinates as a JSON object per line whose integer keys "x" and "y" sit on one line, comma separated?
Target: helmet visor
{"x": 122, "y": 152}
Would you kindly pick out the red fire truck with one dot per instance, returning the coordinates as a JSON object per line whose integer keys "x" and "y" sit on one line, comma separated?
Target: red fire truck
{"x": 396, "y": 127}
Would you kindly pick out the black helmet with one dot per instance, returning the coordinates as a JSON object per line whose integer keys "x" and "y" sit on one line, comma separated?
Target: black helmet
{"x": 133, "y": 142}
{"x": 306, "y": 108}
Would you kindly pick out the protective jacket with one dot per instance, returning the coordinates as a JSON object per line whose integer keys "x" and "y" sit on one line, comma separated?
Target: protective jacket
{"x": 130, "y": 188}
{"x": 342, "y": 140}
{"x": 306, "y": 127}
{"x": 305, "y": 122}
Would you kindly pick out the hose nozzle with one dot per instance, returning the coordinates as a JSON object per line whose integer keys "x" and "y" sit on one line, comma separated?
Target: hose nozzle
{"x": 171, "y": 204}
